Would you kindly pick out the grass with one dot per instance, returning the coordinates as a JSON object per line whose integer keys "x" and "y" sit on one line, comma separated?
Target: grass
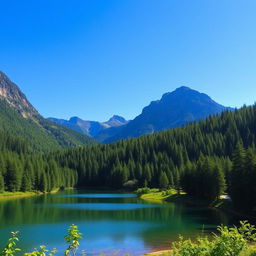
{"x": 158, "y": 195}
{"x": 172, "y": 195}
{"x": 155, "y": 193}
{"x": 8, "y": 194}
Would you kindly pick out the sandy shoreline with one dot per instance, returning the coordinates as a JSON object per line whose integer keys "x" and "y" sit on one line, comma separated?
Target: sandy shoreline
{"x": 157, "y": 253}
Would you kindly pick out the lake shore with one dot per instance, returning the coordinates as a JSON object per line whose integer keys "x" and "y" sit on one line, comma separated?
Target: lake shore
{"x": 10, "y": 195}
{"x": 172, "y": 196}
{"x": 158, "y": 253}
{"x": 223, "y": 204}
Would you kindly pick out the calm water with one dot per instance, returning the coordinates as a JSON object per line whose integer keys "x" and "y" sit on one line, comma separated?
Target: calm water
{"x": 110, "y": 223}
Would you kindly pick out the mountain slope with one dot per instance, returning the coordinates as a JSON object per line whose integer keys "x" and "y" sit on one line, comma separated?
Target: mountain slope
{"x": 20, "y": 118}
{"x": 91, "y": 128}
{"x": 175, "y": 109}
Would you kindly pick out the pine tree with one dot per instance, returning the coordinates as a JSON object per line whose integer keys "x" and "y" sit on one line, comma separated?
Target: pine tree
{"x": 171, "y": 180}
{"x": 1, "y": 183}
{"x": 43, "y": 186}
{"x": 26, "y": 183}
{"x": 163, "y": 181}
{"x": 147, "y": 175}
{"x": 237, "y": 175}
{"x": 247, "y": 183}
{"x": 13, "y": 176}
{"x": 218, "y": 183}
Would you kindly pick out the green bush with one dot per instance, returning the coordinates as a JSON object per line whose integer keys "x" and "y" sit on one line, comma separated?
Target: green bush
{"x": 168, "y": 192}
{"x": 10, "y": 249}
{"x": 230, "y": 242}
{"x": 141, "y": 191}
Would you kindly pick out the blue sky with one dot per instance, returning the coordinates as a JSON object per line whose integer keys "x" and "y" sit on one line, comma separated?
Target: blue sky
{"x": 96, "y": 58}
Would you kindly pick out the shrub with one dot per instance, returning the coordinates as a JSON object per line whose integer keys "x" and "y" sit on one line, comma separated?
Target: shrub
{"x": 10, "y": 249}
{"x": 230, "y": 242}
{"x": 141, "y": 191}
{"x": 72, "y": 239}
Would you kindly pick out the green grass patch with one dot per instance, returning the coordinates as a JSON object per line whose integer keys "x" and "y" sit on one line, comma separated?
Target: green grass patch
{"x": 7, "y": 194}
{"x": 155, "y": 194}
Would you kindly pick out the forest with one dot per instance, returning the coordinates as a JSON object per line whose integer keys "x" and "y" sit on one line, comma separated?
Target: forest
{"x": 203, "y": 159}
{"x": 23, "y": 171}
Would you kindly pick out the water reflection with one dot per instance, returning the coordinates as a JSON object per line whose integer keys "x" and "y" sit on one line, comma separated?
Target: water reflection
{"x": 105, "y": 206}
{"x": 100, "y": 195}
{"x": 109, "y": 222}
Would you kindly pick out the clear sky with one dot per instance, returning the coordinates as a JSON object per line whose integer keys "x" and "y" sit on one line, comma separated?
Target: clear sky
{"x": 96, "y": 58}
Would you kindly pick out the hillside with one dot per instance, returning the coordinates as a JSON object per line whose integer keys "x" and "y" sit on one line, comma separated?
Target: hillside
{"x": 197, "y": 158}
{"x": 145, "y": 157}
{"x": 20, "y": 118}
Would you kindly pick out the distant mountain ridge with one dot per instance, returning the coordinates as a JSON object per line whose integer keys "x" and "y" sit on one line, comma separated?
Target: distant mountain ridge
{"x": 174, "y": 109}
{"x": 20, "y": 118}
{"x": 91, "y": 128}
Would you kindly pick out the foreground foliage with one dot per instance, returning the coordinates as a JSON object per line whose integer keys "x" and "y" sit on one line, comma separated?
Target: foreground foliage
{"x": 230, "y": 242}
{"x": 72, "y": 240}
{"x": 234, "y": 241}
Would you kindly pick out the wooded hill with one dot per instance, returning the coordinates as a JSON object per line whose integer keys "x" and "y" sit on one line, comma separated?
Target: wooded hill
{"x": 166, "y": 156}
{"x": 20, "y": 118}
{"x": 20, "y": 170}
{"x": 196, "y": 158}
{"x": 41, "y": 135}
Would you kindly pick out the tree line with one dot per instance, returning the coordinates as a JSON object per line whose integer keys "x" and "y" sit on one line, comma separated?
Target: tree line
{"x": 33, "y": 173}
{"x": 199, "y": 158}
{"x": 20, "y": 170}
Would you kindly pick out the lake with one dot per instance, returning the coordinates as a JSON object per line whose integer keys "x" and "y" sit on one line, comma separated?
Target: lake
{"x": 111, "y": 223}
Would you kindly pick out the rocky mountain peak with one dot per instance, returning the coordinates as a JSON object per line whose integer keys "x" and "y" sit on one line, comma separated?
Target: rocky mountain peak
{"x": 11, "y": 93}
{"x": 116, "y": 120}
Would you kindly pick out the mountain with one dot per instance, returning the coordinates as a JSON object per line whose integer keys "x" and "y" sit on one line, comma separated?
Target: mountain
{"x": 12, "y": 95}
{"x": 115, "y": 121}
{"x": 20, "y": 118}
{"x": 91, "y": 128}
{"x": 174, "y": 109}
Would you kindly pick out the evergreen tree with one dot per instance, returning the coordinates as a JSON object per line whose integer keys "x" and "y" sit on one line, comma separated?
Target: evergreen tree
{"x": 1, "y": 183}
{"x": 237, "y": 175}
{"x": 26, "y": 183}
{"x": 13, "y": 176}
{"x": 163, "y": 181}
{"x": 43, "y": 186}
{"x": 218, "y": 183}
